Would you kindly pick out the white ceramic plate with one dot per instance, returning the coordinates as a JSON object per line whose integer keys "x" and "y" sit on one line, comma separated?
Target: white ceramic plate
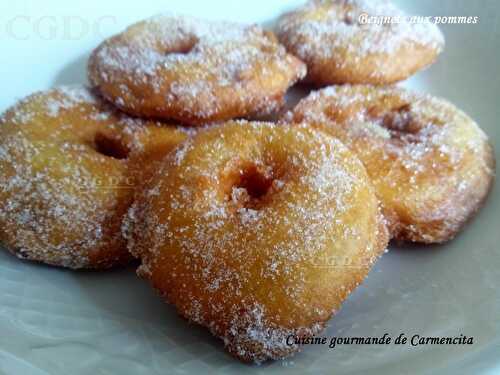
{"x": 60, "y": 322}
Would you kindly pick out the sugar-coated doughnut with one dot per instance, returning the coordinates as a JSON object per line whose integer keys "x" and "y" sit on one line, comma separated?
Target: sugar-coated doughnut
{"x": 257, "y": 232}
{"x": 194, "y": 71}
{"x": 431, "y": 164}
{"x": 69, "y": 165}
{"x": 342, "y": 42}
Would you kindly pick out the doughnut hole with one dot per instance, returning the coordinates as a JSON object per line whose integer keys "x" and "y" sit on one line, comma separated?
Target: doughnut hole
{"x": 255, "y": 181}
{"x": 399, "y": 121}
{"x": 181, "y": 46}
{"x": 110, "y": 146}
{"x": 252, "y": 185}
{"x": 349, "y": 19}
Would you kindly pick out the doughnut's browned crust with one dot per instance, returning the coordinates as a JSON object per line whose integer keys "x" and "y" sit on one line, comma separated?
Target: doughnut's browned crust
{"x": 69, "y": 165}
{"x": 328, "y": 37}
{"x": 257, "y": 232}
{"x": 194, "y": 71}
{"x": 431, "y": 164}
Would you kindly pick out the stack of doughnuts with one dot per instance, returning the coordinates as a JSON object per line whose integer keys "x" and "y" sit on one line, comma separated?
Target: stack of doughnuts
{"x": 256, "y": 230}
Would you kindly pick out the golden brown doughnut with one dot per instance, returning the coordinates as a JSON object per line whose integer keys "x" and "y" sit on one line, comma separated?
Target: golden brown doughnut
{"x": 330, "y": 37}
{"x": 432, "y": 166}
{"x": 194, "y": 71}
{"x": 69, "y": 165}
{"x": 257, "y": 232}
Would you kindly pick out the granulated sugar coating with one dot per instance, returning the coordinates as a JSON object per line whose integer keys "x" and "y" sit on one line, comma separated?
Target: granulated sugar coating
{"x": 257, "y": 232}
{"x": 69, "y": 164}
{"x": 431, "y": 165}
{"x": 338, "y": 46}
{"x": 194, "y": 71}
